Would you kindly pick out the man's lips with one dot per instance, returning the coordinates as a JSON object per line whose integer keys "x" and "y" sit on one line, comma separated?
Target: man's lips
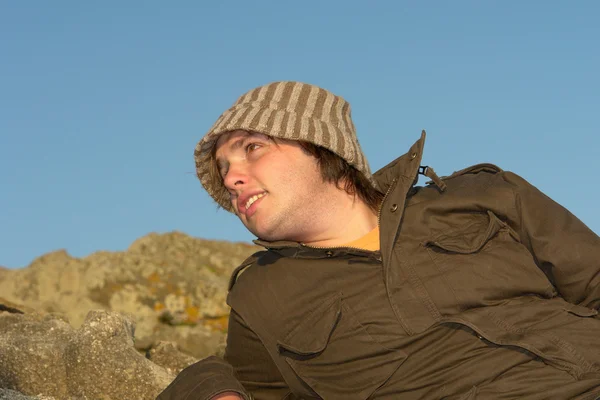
{"x": 243, "y": 200}
{"x": 253, "y": 207}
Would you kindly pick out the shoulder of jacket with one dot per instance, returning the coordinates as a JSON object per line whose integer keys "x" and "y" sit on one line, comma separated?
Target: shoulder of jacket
{"x": 248, "y": 262}
{"x": 476, "y": 169}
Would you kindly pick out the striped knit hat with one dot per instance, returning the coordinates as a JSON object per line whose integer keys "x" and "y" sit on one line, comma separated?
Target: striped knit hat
{"x": 287, "y": 110}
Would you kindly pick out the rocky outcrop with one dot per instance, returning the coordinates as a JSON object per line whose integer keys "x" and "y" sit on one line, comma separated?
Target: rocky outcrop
{"x": 114, "y": 325}
{"x": 174, "y": 285}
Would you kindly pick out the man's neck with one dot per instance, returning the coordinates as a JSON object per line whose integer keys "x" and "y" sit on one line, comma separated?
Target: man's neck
{"x": 350, "y": 220}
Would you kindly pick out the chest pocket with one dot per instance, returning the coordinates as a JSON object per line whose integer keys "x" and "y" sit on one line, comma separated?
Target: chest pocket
{"x": 472, "y": 237}
{"x": 335, "y": 355}
{"x": 484, "y": 263}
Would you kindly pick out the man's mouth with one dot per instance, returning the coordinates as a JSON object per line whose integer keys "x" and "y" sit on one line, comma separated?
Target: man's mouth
{"x": 252, "y": 199}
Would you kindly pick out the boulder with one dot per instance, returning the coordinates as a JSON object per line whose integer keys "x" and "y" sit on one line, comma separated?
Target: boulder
{"x": 44, "y": 355}
{"x": 114, "y": 325}
{"x": 168, "y": 356}
{"x": 7, "y": 394}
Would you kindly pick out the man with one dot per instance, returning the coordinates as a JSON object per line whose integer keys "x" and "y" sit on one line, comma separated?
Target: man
{"x": 476, "y": 286}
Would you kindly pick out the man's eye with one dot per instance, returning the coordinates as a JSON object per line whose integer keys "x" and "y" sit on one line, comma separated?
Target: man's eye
{"x": 251, "y": 147}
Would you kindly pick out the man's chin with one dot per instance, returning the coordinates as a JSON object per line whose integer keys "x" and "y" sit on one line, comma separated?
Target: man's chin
{"x": 266, "y": 234}
{"x": 265, "y": 230}
{"x": 260, "y": 232}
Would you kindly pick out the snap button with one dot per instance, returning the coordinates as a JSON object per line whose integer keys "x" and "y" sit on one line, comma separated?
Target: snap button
{"x": 329, "y": 253}
{"x": 413, "y": 156}
{"x": 394, "y": 207}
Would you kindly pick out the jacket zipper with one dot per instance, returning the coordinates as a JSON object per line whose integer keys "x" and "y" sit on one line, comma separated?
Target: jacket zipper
{"x": 334, "y": 248}
{"x": 383, "y": 200}
{"x": 394, "y": 308}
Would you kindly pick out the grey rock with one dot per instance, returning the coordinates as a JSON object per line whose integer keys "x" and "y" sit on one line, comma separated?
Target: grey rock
{"x": 45, "y": 355}
{"x": 7, "y": 394}
{"x": 168, "y": 355}
{"x": 31, "y": 353}
{"x": 172, "y": 285}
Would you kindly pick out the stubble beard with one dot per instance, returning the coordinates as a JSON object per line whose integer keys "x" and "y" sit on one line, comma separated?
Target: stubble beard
{"x": 289, "y": 223}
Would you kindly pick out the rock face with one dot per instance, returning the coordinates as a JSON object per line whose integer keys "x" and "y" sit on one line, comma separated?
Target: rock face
{"x": 174, "y": 285}
{"x": 114, "y": 325}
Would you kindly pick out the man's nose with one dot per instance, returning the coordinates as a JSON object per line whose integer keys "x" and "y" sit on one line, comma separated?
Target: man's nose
{"x": 236, "y": 176}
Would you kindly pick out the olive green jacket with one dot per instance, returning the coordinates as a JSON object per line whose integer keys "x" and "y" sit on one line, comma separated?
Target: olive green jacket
{"x": 483, "y": 288}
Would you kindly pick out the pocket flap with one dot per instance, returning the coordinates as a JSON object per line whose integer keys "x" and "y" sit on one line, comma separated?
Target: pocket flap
{"x": 580, "y": 311}
{"x": 312, "y": 334}
{"x": 471, "y": 238}
{"x": 334, "y": 354}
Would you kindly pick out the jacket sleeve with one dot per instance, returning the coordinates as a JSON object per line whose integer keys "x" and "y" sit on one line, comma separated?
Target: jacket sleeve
{"x": 202, "y": 381}
{"x": 563, "y": 246}
{"x": 247, "y": 370}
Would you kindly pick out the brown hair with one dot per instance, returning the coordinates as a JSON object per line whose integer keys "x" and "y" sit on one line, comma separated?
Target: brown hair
{"x": 337, "y": 170}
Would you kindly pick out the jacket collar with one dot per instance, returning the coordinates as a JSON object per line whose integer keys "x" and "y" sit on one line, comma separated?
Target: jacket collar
{"x": 404, "y": 168}
{"x": 407, "y": 165}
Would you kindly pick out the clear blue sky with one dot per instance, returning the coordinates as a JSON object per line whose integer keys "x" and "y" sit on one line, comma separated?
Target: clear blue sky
{"x": 102, "y": 103}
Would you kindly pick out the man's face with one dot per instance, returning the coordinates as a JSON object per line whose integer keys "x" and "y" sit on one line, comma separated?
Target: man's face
{"x": 275, "y": 186}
